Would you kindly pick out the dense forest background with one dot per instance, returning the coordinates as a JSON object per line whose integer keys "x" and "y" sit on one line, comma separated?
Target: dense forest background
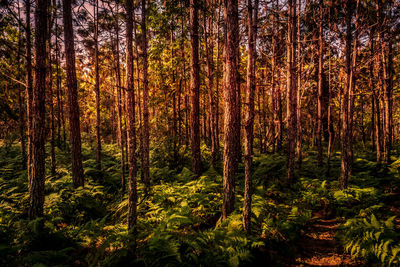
{"x": 199, "y": 133}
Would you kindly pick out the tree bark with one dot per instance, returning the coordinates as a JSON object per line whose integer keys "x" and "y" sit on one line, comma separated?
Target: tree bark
{"x": 299, "y": 92}
{"x": 292, "y": 91}
{"x": 249, "y": 125}
{"x": 29, "y": 92}
{"x": 320, "y": 85}
{"x": 195, "y": 88}
{"x": 145, "y": 146}
{"x": 132, "y": 197}
{"x": 74, "y": 121}
{"x": 36, "y": 190}
{"x": 348, "y": 99}
{"x": 50, "y": 100}
{"x": 231, "y": 122}
{"x": 21, "y": 99}
{"x": 120, "y": 132}
{"x": 97, "y": 83}
{"x": 210, "y": 83}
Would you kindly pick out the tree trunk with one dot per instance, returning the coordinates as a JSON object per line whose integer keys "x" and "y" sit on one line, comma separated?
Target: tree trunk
{"x": 330, "y": 123}
{"x": 210, "y": 82}
{"x": 122, "y": 139}
{"x": 320, "y": 85}
{"x": 50, "y": 100}
{"x": 37, "y": 173}
{"x": 273, "y": 88}
{"x": 348, "y": 99}
{"x": 97, "y": 83}
{"x": 195, "y": 88}
{"x": 249, "y": 125}
{"x": 29, "y": 92}
{"x": 21, "y": 99}
{"x": 75, "y": 136}
{"x": 292, "y": 91}
{"x": 145, "y": 136}
{"x": 132, "y": 198}
{"x": 231, "y": 122}
{"x": 299, "y": 91}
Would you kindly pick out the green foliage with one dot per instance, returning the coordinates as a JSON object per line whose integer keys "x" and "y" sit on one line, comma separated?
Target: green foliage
{"x": 179, "y": 221}
{"x": 373, "y": 239}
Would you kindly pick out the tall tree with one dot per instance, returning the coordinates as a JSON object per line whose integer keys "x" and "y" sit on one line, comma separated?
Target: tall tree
{"x": 145, "y": 136}
{"x": 348, "y": 96}
{"x": 21, "y": 99}
{"x": 231, "y": 123}
{"x": 299, "y": 90}
{"x": 249, "y": 125}
{"x": 74, "y": 120}
{"x": 122, "y": 134}
{"x": 50, "y": 90}
{"x": 132, "y": 195}
{"x": 320, "y": 82}
{"x": 291, "y": 90}
{"x": 29, "y": 92}
{"x": 195, "y": 88}
{"x": 97, "y": 82}
{"x": 38, "y": 112}
{"x": 209, "y": 47}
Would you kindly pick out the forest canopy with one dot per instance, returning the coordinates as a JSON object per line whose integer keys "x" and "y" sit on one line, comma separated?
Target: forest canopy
{"x": 199, "y": 132}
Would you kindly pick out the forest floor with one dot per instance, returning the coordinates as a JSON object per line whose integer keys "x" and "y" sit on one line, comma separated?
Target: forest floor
{"x": 319, "y": 247}
{"x": 310, "y": 223}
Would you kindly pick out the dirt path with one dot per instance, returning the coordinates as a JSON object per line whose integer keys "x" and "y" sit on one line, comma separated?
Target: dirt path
{"x": 318, "y": 247}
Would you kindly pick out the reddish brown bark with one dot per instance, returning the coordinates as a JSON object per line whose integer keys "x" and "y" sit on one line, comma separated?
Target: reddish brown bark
{"x": 74, "y": 121}
{"x": 231, "y": 123}
{"x": 195, "y": 88}
{"x": 97, "y": 84}
{"x": 29, "y": 92}
{"x": 320, "y": 84}
{"x": 249, "y": 125}
{"x": 132, "y": 196}
{"x": 291, "y": 91}
{"x": 38, "y": 138}
{"x": 145, "y": 136}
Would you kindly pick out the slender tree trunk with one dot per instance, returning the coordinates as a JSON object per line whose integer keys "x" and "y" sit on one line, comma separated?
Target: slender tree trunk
{"x": 195, "y": 88}
{"x": 210, "y": 83}
{"x": 97, "y": 83}
{"x": 330, "y": 123}
{"x": 384, "y": 73}
{"x": 58, "y": 87}
{"x": 75, "y": 136}
{"x": 21, "y": 99}
{"x": 280, "y": 112}
{"x": 29, "y": 92}
{"x": 249, "y": 125}
{"x": 273, "y": 88}
{"x": 353, "y": 87}
{"x": 345, "y": 103}
{"x": 299, "y": 92}
{"x": 217, "y": 85}
{"x": 132, "y": 198}
{"x": 50, "y": 100}
{"x": 120, "y": 103}
{"x": 371, "y": 85}
{"x": 348, "y": 98}
{"x": 122, "y": 138}
{"x": 36, "y": 190}
{"x": 320, "y": 84}
{"x": 145, "y": 146}
{"x": 292, "y": 90}
{"x": 22, "y": 129}
{"x": 231, "y": 122}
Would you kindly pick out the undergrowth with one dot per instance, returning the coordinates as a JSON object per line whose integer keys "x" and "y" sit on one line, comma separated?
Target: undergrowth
{"x": 179, "y": 223}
